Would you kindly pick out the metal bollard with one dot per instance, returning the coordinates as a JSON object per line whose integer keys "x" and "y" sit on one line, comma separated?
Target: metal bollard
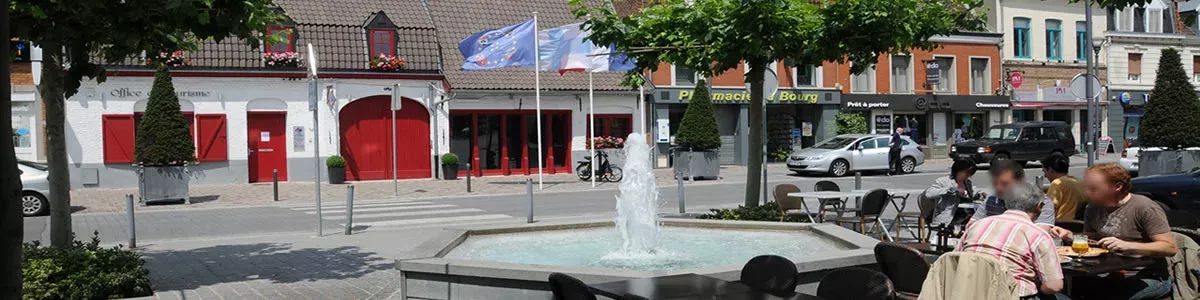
{"x": 764, "y": 182}
{"x": 691, "y": 175}
{"x": 275, "y": 184}
{"x": 349, "y": 208}
{"x": 858, "y": 180}
{"x": 132, "y": 222}
{"x": 468, "y": 177}
{"x": 679, "y": 184}
{"x": 529, "y": 190}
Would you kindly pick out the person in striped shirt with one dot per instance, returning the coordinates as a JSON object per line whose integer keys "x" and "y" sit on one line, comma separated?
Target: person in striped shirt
{"x": 1013, "y": 238}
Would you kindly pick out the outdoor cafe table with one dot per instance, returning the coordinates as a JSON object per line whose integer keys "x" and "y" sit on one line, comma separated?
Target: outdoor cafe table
{"x": 684, "y": 286}
{"x": 858, "y": 194}
{"x": 1105, "y": 264}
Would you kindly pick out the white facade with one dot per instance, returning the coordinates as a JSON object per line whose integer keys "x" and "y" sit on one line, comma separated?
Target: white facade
{"x": 1003, "y": 13}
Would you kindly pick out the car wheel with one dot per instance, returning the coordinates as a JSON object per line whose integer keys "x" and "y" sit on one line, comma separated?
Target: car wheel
{"x": 908, "y": 165}
{"x": 1058, "y": 152}
{"x": 34, "y": 204}
{"x": 998, "y": 157}
{"x": 839, "y": 168}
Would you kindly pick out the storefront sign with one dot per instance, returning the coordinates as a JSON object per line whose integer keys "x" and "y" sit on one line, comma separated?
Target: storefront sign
{"x": 664, "y": 130}
{"x": 19, "y": 50}
{"x": 867, "y": 104}
{"x": 807, "y": 128}
{"x": 1016, "y": 79}
{"x": 797, "y": 133}
{"x": 136, "y": 93}
{"x": 1059, "y": 94}
{"x": 883, "y": 124}
{"x": 932, "y": 76}
{"x": 925, "y": 102}
{"x": 993, "y": 105}
{"x": 736, "y": 96}
{"x": 298, "y": 140}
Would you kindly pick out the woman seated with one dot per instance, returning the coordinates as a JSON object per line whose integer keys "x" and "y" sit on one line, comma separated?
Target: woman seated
{"x": 948, "y": 192}
{"x": 1125, "y": 224}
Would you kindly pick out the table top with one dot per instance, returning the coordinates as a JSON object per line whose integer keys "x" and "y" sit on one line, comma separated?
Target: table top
{"x": 891, "y": 191}
{"x": 1106, "y": 263}
{"x": 825, "y": 194}
{"x": 684, "y": 286}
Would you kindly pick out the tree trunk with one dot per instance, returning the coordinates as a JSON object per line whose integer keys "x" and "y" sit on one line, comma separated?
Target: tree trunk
{"x": 51, "y": 89}
{"x": 755, "y": 162}
{"x": 11, "y": 222}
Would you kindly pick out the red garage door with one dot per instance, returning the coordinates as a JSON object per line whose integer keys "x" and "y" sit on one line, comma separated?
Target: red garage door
{"x": 365, "y": 136}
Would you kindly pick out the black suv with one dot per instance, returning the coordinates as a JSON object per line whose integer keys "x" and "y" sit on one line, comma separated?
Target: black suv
{"x": 1021, "y": 142}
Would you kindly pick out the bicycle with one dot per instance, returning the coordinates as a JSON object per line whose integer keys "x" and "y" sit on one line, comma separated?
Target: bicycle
{"x": 606, "y": 171}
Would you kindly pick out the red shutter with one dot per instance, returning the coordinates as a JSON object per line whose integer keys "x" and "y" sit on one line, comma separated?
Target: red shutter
{"x": 118, "y": 138}
{"x": 210, "y": 138}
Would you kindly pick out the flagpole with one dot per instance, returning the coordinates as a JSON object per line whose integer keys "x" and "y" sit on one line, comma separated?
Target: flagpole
{"x": 537, "y": 95}
{"x": 592, "y": 125}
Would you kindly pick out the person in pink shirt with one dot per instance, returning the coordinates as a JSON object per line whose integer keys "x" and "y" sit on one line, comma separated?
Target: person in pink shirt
{"x": 1013, "y": 238}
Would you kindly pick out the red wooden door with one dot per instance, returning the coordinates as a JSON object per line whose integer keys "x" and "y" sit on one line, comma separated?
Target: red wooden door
{"x": 366, "y": 137}
{"x": 267, "y": 145}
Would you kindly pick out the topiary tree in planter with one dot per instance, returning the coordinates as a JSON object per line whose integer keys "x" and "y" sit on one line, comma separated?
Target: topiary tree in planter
{"x": 449, "y": 166}
{"x": 163, "y": 144}
{"x": 1172, "y": 120}
{"x": 337, "y": 169}
{"x": 698, "y": 137}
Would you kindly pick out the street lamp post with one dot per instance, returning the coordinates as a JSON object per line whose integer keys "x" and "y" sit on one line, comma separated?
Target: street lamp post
{"x": 1091, "y": 108}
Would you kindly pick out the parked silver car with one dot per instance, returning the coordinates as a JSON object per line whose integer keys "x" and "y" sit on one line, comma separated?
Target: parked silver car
{"x": 847, "y": 153}
{"x": 36, "y": 190}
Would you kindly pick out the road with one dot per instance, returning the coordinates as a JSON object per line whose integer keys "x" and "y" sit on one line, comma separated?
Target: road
{"x": 209, "y": 223}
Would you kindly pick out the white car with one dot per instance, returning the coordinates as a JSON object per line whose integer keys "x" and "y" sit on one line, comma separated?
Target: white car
{"x": 1129, "y": 157}
{"x": 844, "y": 154}
{"x": 35, "y": 190}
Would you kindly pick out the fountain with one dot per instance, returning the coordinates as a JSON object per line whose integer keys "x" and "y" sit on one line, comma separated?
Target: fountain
{"x": 513, "y": 261}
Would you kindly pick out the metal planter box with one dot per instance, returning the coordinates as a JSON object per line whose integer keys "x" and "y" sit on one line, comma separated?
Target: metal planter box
{"x": 1155, "y": 162}
{"x": 697, "y": 164}
{"x": 164, "y": 183}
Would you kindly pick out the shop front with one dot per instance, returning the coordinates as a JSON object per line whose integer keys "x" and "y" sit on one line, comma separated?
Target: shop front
{"x": 932, "y": 120}
{"x": 1126, "y": 108}
{"x": 796, "y": 118}
{"x": 1056, "y": 104}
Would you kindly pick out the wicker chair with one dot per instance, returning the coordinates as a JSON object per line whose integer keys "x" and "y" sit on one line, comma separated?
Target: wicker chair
{"x": 789, "y": 205}
{"x": 872, "y": 210}
{"x": 905, "y": 266}
{"x": 836, "y": 205}
{"x": 855, "y": 284}
{"x": 772, "y": 274}
{"x": 566, "y": 287}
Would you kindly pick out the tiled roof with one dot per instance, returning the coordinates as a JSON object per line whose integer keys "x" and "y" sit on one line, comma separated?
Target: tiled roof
{"x": 456, "y": 19}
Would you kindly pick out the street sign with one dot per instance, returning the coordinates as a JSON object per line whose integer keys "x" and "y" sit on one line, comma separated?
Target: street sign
{"x": 312, "y": 95}
{"x": 932, "y": 74}
{"x": 1079, "y": 86}
{"x": 770, "y": 83}
{"x": 1016, "y": 79}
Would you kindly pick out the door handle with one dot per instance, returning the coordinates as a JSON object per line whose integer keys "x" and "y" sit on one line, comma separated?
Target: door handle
{"x": 266, "y": 150}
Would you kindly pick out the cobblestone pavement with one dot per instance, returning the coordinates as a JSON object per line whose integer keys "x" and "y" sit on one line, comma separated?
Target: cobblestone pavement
{"x": 111, "y": 200}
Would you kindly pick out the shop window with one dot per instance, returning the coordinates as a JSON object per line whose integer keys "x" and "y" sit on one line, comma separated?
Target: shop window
{"x": 211, "y": 144}
{"x": 863, "y": 82}
{"x": 946, "y": 74}
{"x": 684, "y": 76}
{"x": 118, "y": 138}
{"x": 1053, "y": 40}
{"x": 1135, "y": 66}
{"x": 1081, "y": 47}
{"x": 1021, "y": 37}
{"x": 969, "y": 126}
{"x": 980, "y": 76}
{"x": 383, "y": 42}
{"x": 287, "y": 39}
{"x": 902, "y": 74}
{"x": 22, "y": 131}
{"x": 615, "y": 125}
{"x": 806, "y": 75}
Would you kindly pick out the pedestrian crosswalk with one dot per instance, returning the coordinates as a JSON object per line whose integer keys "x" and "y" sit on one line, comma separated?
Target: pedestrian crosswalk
{"x": 402, "y": 214}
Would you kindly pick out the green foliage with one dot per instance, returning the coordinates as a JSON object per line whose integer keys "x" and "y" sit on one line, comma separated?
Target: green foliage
{"x": 82, "y": 271}
{"x": 698, "y": 130}
{"x": 781, "y": 154}
{"x": 1173, "y": 115}
{"x": 163, "y": 137}
{"x": 449, "y": 159}
{"x": 337, "y": 161}
{"x": 768, "y": 212}
{"x": 850, "y": 123}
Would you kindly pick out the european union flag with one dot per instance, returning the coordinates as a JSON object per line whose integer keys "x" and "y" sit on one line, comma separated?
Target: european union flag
{"x": 509, "y": 46}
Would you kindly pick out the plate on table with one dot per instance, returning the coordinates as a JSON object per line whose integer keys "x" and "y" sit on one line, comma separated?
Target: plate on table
{"x": 1092, "y": 252}
{"x": 1065, "y": 259}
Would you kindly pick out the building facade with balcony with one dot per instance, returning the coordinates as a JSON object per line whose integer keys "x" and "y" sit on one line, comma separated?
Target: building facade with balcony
{"x": 1135, "y": 37}
{"x": 1045, "y": 46}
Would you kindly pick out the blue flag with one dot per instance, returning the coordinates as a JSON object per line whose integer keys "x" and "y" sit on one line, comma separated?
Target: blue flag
{"x": 509, "y": 46}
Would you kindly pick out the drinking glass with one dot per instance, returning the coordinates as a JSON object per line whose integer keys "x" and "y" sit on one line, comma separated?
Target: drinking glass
{"x": 1079, "y": 244}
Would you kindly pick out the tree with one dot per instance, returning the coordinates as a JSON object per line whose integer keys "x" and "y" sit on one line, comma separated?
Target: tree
{"x": 163, "y": 137}
{"x": 1173, "y": 115}
{"x": 75, "y": 36}
{"x": 714, "y": 36}
{"x": 849, "y": 123}
{"x": 698, "y": 131}
{"x": 11, "y": 221}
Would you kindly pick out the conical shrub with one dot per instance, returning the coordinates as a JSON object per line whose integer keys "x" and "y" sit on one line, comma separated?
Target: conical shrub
{"x": 163, "y": 137}
{"x": 698, "y": 131}
{"x": 1172, "y": 118}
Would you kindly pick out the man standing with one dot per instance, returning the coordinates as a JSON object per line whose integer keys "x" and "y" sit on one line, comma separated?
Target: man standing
{"x": 894, "y": 152}
{"x": 1013, "y": 238}
{"x": 1065, "y": 190}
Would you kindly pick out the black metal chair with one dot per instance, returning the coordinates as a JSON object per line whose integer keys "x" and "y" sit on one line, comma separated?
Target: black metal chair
{"x": 855, "y": 284}
{"x": 772, "y": 274}
{"x": 566, "y": 287}
{"x": 1075, "y": 226}
{"x": 1182, "y": 219}
{"x": 905, "y": 266}
{"x": 829, "y": 204}
{"x": 872, "y": 210}
{"x": 920, "y": 218}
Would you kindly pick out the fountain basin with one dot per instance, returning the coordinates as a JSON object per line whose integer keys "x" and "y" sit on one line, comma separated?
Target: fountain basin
{"x": 513, "y": 262}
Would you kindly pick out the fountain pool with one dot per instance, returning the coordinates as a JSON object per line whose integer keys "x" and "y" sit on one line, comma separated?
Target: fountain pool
{"x": 679, "y": 248}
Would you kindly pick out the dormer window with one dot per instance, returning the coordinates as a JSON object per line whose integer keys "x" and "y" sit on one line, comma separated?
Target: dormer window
{"x": 383, "y": 42}
{"x": 287, "y": 36}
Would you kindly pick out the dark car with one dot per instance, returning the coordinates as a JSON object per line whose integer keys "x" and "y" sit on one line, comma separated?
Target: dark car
{"x": 1021, "y": 142}
{"x": 1178, "y": 191}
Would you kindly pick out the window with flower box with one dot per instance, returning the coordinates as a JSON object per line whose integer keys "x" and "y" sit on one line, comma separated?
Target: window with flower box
{"x": 287, "y": 38}
{"x": 616, "y": 125}
{"x": 383, "y": 42}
